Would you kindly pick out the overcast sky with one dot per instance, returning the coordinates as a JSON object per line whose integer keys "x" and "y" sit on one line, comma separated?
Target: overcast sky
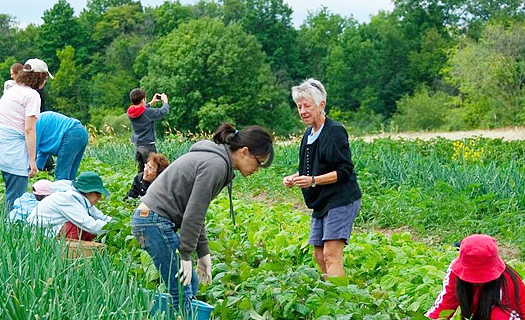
{"x": 31, "y": 11}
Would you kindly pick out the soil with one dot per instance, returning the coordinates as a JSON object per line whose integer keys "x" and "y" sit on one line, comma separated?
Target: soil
{"x": 514, "y": 133}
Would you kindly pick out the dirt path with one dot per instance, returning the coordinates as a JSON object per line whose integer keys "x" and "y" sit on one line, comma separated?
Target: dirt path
{"x": 515, "y": 133}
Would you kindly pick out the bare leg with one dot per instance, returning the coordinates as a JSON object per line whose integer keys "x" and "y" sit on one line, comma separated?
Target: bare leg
{"x": 320, "y": 258}
{"x": 333, "y": 257}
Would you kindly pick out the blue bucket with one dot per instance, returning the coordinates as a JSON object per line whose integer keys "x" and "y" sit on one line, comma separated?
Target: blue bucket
{"x": 202, "y": 309}
{"x": 162, "y": 301}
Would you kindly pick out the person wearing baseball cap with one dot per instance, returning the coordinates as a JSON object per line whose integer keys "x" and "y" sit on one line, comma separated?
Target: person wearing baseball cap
{"x": 481, "y": 283}
{"x": 28, "y": 201}
{"x": 72, "y": 213}
{"x": 19, "y": 111}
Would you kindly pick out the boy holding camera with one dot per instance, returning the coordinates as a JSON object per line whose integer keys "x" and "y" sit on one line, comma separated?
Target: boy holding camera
{"x": 142, "y": 119}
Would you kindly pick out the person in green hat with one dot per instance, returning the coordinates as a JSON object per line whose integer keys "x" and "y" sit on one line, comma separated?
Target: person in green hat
{"x": 73, "y": 212}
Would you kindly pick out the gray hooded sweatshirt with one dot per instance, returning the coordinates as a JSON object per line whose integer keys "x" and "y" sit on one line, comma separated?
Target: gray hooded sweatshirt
{"x": 183, "y": 192}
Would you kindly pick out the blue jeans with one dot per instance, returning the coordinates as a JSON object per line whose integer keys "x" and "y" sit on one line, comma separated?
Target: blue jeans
{"x": 158, "y": 236}
{"x": 15, "y": 186}
{"x": 70, "y": 152}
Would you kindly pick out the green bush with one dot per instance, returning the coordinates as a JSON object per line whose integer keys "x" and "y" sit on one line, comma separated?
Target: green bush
{"x": 424, "y": 110}
{"x": 118, "y": 125}
{"x": 364, "y": 120}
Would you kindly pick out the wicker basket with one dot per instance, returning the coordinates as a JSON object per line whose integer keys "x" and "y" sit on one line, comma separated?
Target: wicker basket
{"x": 81, "y": 249}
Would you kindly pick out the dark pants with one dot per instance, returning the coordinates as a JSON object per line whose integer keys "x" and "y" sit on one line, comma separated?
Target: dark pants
{"x": 142, "y": 153}
{"x": 158, "y": 236}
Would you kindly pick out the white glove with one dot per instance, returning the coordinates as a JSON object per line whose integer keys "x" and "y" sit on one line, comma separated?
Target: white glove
{"x": 185, "y": 272}
{"x": 204, "y": 269}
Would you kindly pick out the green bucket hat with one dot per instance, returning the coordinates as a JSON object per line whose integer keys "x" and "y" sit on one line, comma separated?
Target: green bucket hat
{"x": 89, "y": 181}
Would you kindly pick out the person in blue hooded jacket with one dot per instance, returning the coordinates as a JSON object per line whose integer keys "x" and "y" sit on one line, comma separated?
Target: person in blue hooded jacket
{"x": 63, "y": 137}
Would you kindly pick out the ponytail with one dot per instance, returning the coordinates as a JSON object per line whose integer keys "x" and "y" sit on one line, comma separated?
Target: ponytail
{"x": 257, "y": 139}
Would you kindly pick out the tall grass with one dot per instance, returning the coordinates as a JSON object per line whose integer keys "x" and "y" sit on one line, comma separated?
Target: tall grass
{"x": 37, "y": 282}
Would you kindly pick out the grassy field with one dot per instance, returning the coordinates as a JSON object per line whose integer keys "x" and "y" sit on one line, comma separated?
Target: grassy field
{"x": 418, "y": 198}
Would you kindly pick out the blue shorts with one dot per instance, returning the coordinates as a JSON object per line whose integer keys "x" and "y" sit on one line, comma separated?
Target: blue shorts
{"x": 336, "y": 224}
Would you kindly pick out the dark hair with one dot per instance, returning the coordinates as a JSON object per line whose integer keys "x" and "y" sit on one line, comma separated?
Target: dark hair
{"x": 16, "y": 68}
{"x": 257, "y": 139}
{"x": 489, "y": 297}
{"x": 161, "y": 161}
{"x": 38, "y": 197}
{"x": 31, "y": 78}
{"x": 136, "y": 95}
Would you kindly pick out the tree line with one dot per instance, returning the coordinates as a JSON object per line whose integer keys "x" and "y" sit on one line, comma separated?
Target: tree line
{"x": 437, "y": 64}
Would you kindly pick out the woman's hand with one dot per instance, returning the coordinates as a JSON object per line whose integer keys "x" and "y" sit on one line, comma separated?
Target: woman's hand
{"x": 204, "y": 269}
{"x": 303, "y": 182}
{"x": 32, "y": 169}
{"x": 185, "y": 272}
{"x": 289, "y": 180}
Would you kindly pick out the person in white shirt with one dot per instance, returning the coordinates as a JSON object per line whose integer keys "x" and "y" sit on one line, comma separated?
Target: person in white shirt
{"x": 19, "y": 111}
{"x": 73, "y": 212}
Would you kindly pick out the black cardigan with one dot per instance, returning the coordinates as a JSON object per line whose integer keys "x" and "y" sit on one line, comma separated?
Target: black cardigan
{"x": 329, "y": 152}
{"x": 139, "y": 187}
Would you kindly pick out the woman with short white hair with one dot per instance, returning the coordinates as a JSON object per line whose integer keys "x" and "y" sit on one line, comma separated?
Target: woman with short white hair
{"x": 327, "y": 178}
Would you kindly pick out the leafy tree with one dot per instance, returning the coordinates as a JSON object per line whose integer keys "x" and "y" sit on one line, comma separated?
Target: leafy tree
{"x": 122, "y": 52}
{"x": 207, "y": 9}
{"x": 25, "y": 43}
{"x": 125, "y": 19}
{"x": 100, "y": 6}
{"x": 427, "y": 62}
{"x": 110, "y": 87}
{"x": 7, "y": 29}
{"x": 111, "y": 90}
{"x": 214, "y": 73}
{"x": 60, "y": 29}
{"x": 493, "y": 69}
{"x": 468, "y": 16}
{"x": 320, "y": 30}
{"x": 68, "y": 92}
{"x": 369, "y": 67}
{"x": 270, "y": 21}
{"x": 169, "y": 15}
{"x": 5, "y": 73}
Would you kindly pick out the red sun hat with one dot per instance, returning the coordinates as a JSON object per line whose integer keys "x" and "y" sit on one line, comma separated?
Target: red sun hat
{"x": 478, "y": 261}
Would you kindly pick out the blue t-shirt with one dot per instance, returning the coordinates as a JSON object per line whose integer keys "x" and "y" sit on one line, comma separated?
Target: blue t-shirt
{"x": 50, "y": 129}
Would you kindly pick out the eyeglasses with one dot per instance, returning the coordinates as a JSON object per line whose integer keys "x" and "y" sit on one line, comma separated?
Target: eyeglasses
{"x": 258, "y": 161}
{"x": 151, "y": 168}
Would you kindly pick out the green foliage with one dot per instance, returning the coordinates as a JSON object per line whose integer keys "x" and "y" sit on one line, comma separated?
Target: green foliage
{"x": 66, "y": 88}
{"x": 367, "y": 68}
{"x": 492, "y": 72}
{"x": 5, "y": 73}
{"x": 124, "y": 19}
{"x": 119, "y": 124}
{"x": 424, "y": 110}
{"x": 214, "y": 73}
{"x": 270, "y": 21}
{"x": 263, "y": 268}
{"x": 319, "y": 31}
{"x": 60, "y": 29}
{"x": 38, "y": 282}
{"x": 6, "y": 36}
{"x": 362, "y": 121}
{"x": 169, "y": 15}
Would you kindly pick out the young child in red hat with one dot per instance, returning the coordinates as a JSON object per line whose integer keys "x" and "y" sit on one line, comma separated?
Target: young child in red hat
{"x": 479, "y": 282}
